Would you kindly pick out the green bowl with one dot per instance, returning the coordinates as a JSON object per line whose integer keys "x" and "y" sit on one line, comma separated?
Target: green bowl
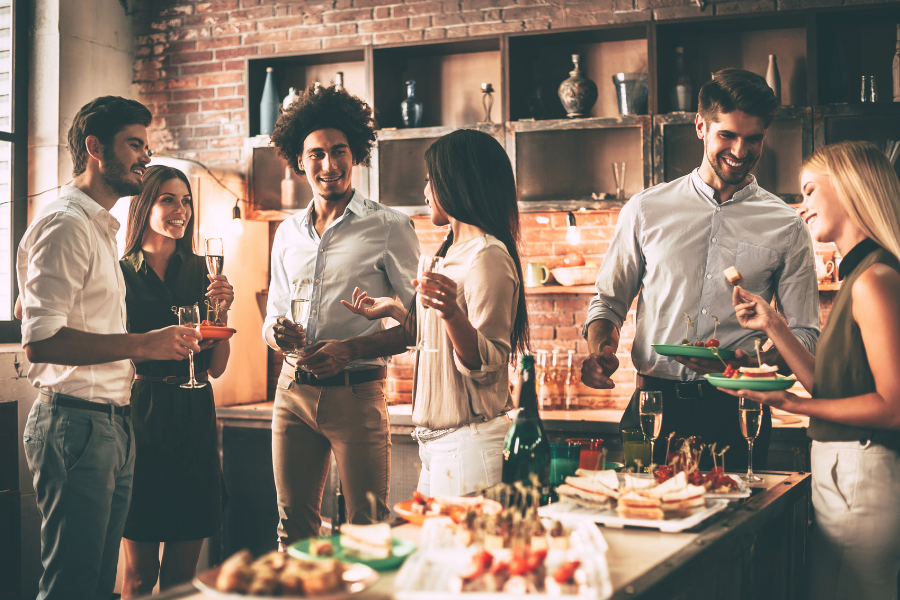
{"x": 401, "y": 549}
{"x": 692, "y": 351}
{"x": 748, "y": 383}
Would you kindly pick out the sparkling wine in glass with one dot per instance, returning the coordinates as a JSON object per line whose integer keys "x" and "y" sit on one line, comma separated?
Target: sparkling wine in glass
{"x": 301, "y": 299}
{"x": 427, "y": 264}
{"x": 215, "y": 262}
{"x": 189, "y": 316}
{"x": 751, "y": 421}
{"x": 651, "y": 410}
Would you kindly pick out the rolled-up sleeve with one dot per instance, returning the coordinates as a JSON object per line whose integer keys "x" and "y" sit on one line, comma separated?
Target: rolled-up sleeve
{"x": 279, "y": 285}
{"x": 491, "y": 292}
{"x": 56, "y": 264}
{"x": 401, "y": 258}
{"x": 620, "y": 273}
{"x": 798, "y": 288}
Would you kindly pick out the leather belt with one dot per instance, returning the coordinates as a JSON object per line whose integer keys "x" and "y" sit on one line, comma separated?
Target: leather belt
{"x": 343, "y": 378}
{"x": 73, "y": 402}
{"x": 683, "y": 390}
{"x": 173, "y": 379}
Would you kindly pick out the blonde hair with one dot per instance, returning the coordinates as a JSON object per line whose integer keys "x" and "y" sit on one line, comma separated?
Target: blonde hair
{"x": 866, "y": 186}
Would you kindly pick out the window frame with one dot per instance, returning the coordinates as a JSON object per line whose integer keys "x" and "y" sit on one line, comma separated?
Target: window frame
{"x": 11, "y": 331}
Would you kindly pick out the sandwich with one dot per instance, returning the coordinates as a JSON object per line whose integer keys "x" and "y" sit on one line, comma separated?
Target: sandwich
{"x": 633, "y": 505}
{"x": 367, "y": 541}
{"x": 586, "y": 492}
{"x": 609, "y": 478}
{"x": 682, "y": 503}
{"x": 761, "y": 372}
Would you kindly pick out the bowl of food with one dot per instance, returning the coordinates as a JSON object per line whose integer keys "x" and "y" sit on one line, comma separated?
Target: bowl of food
{"x": 216, "y": 330}
{"x": 584, "y": 275}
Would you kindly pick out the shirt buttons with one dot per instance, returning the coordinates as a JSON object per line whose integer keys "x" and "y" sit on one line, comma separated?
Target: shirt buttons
{"x": 703, "y": 311}
{"x": 317, "y": 281}
{"x": 715, "y": 240}
{"x": 709, "y": 276}
{"x": 314, "y": 312}
{"x": 321, "y": 249}
{"x": 718, "y": 208}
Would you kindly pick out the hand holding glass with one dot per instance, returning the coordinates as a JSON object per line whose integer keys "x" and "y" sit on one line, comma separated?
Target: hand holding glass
{"x": 189, "y": 316}
{"x": 301, "y": 298}
{"x": 427, "y": 264}
{"x": 215, "y": 263}
{"x": 651, "y": 409}
{"x": 751, "y": 421}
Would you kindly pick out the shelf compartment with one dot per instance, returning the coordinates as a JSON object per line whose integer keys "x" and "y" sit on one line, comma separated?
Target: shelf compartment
{"x": 874, "y": 123}
{"x": 540, "y": 62}
{"x": 569, "y": 160}
{"x": 448, "y": 78}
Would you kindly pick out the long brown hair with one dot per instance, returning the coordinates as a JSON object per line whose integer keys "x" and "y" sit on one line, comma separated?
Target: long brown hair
{"x": 139, "y": 210}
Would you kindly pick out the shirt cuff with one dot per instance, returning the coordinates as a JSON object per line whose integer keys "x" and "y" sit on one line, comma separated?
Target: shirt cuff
{"x": 596, "y": 315}
{"x": 489, "y": 370}
{"x": 37, "y": 330}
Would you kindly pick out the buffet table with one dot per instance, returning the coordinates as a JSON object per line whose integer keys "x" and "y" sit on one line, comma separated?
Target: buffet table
{"x": 756, "y": 548}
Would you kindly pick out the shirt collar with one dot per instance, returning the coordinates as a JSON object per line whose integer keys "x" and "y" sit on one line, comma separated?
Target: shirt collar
{"x": 136, "y": 259}
{"x": 356, "y": 206}
{"x": 91, "y": 207}
{"x": 856, "y": 255}
{"x": 707, "y": 190}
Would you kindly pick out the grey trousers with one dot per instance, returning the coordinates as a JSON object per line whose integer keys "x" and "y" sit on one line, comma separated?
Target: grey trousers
{"x": 82, "y": 462}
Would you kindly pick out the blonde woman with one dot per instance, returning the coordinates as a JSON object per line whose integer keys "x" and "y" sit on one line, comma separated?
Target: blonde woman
{"x": 851, "y": 197}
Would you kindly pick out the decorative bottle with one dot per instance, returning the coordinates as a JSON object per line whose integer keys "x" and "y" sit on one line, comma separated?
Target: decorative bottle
{"x": 773, "y": 78}
{"x": 683, "y": 92}
{"x": 288, "y": 189}
{"x": 896, "y": 68}
{"x": 545, "y": 401}
{"x": 572, "y": 402}
{"x": 289, "y": 99}
{"x": 526, "y": 450}
{"x": 555, "y": 383}
{"x": 411, "y": 108}
{"x": 269, "y": 105}
{"x": 577, "y": 93}
{"x": 339, "y": 80}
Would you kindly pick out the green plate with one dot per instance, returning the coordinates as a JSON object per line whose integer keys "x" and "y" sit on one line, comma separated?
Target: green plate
{"x": 693, "y": 351}
{"x": 748, "y": 383}
{"x": 401, "y": 549}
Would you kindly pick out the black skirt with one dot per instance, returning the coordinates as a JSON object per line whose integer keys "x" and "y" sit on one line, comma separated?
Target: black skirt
{"x": 178, "y": 491}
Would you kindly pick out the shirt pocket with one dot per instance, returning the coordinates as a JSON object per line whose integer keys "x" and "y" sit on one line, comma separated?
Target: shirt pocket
{"x": 757, "y": 266}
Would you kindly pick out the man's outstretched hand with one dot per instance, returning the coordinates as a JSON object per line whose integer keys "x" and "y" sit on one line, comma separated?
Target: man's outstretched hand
{"x": 597, "y": 369}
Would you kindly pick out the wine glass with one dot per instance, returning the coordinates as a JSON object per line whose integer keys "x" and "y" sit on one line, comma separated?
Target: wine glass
{"x": 215, "y": 262}
{"x": 189, "y": 316}
{"x": 301, "y": 299}
{"x": 751, "y": 421}
{"x": 651, "y": 409}
{"x": 427, "y": 264}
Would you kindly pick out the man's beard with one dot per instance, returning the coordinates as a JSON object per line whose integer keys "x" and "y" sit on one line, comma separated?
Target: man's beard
{"x": 114, "y": 174}
{"x": 730, "y": 180}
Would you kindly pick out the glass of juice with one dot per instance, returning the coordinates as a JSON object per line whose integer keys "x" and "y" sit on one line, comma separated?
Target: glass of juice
{"x": 591, "y": 453}
{"x": 637, "y": 448}
{"x": 564, "y": 457}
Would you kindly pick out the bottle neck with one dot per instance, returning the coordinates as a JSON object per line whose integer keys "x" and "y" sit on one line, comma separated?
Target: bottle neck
{"x": 410, "y": 90}
{"x": 528, "y": 402}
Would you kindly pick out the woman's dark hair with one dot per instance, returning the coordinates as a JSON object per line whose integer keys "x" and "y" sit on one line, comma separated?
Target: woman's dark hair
{"x": 139, "y": 210}
{"x": 320, "y": 108}
{"x": 473, "y": 181}
{"x": 103, "y": 118}
{"x": 736, "y": 89}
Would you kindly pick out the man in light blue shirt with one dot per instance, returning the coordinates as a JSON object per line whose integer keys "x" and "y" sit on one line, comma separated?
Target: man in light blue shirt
{"x": 672, "y": 245}
{"x": 331, "y": 399}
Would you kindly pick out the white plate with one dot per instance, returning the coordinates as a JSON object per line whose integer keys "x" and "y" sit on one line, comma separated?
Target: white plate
{"x": 568, "y": 512}
{"x": 357, "y": 578}
{"x": 743, "y": 490}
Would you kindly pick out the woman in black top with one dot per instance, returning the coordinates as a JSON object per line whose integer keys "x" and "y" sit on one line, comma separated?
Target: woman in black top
{"x": 177, "y": 492}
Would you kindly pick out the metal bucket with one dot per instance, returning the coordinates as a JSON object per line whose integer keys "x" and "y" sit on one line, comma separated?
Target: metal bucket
{"x": 631, "y": 93}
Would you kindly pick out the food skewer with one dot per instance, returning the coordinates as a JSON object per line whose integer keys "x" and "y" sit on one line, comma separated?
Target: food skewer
{"x": 756, "y": 346}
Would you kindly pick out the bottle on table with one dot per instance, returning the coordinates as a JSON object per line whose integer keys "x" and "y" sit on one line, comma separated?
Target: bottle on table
{"x": 556, "y": 383}
{"x": 572, "y": 402}
{"x": 545, "y": 401}
{"x": 526, "y": 450}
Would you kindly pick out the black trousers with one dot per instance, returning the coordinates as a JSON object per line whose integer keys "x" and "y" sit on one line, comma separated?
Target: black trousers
{"x": 697, "y": 408}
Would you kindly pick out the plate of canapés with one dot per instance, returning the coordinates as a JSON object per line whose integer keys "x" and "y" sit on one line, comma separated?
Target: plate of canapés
{"x": 708, "y": 349}
{"x": 421, "y": 507}
{"x": 371, "y": 545}
{"x": 216, "y": 330}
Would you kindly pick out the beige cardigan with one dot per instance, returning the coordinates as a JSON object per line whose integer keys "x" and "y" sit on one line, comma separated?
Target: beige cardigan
{"x": 447, "y": 394}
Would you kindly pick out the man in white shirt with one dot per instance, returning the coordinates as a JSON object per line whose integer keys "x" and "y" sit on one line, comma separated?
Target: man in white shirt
{"x": 332, "y": 398}
{"x": 78, "y": 437}
{"x": 671, "y": 247}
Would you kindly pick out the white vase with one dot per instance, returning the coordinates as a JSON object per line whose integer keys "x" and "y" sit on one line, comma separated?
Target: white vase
{"x": 773, "y": 78}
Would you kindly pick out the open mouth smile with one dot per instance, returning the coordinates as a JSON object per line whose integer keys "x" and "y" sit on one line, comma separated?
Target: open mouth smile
{"x": 139, "y": 170}
{"x": 735, "y": 164}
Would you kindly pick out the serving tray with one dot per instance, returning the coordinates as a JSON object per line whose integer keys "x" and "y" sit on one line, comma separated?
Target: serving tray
{"x": 566, "y": 512}
{"x": 692, "y": 351}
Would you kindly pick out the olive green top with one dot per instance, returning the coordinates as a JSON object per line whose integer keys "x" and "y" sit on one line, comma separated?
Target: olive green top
{"x": 842, "y": 365}
{"x": 149, "y": 302}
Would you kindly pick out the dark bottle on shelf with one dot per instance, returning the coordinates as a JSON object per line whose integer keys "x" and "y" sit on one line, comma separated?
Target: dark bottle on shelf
{"x": 682, "y": 92}
{"x": 268, "y": 106}
{"x": 526, "y": 451}
{"x": 411, "y": 108}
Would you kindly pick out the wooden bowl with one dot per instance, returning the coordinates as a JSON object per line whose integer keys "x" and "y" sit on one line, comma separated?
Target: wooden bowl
{"x": 575, "y": 275}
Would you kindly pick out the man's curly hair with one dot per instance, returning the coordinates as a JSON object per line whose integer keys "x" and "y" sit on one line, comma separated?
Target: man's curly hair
{"x": 325, "y": 108}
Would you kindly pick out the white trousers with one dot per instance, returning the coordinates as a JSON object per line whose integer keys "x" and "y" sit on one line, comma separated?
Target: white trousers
{"x": 465, "y": 461}
{"x": 854, "y": 547}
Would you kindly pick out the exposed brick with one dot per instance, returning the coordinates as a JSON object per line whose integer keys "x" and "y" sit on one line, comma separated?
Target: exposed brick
{"x": 254, "y": 39}
{"x": 525, "y": 12}
{"x": 176, "y": 107}
{"x": 373, "y": 3}
{"x": 538, "y": 24}
{"x": 180, "y": 47}
{"x": 386, "y": 25}
{"x": 201, "y": 69}
{"x": 417, "y": 10}
{"x": 320, "y": 31}
{"x": 682, "y": 12}
{"x": 232, "y": 129}
{"x": 196, "y": 94}
{"x": 583, "y": 19}
{"x": 214, "y": 7}
{"x": 298, "y": 46}
{"x": 174, "y": 11}
{"x": 238, "y": 65}
{"x": 236, "y": 52}
{"x": 489, "y": 28}
{"x": 190, "y": 57}
{"x": 225, "y": 91}
{"x": 623, "y": 5}
{"x": 213, "y": 157}
{"x": 219, "y": 42}
{"x": 213, "y": 19}
{"x": 181, "y": 35}
{"x": 166, "y": 24}
{"x": 477, "y": 4}
{"x": 234, "y": 142}
{"x": 731, "y": 8}
{"x": 800, "y": 4}
{"x": 203, "y": 118}
{"x": 347, "y": 29}
{"x": 397, "y": 37}
{"x": 181, "y": 83}
{"x": 435, "y": 34}
{"x": 264, "y": 12}
{"x": 420, "y": 22}
{"x": 348, "y": 15}
{"x": 221, "y": 79}
{"x": 234, "y": 27}
{"x": 382, "y": 12}
{"x": 359, "y": 40}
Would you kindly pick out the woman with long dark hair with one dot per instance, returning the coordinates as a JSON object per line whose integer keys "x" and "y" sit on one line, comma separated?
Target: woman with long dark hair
{"x": 461, "y": 392}
{"x": 177, "y": 494}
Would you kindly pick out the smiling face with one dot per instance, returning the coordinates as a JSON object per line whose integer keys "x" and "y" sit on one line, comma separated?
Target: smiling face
{"x": 171, "y": 211}
{"x": 125, "y": 160}
{"x": 328, "y": 164}
{"x": 821, "y": 209}
{"x": 438, "y": 216}
{"x": 732, "y": 145}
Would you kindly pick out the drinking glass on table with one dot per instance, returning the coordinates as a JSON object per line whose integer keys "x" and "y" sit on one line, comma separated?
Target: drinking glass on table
{"x": 427, "y": 264}
{"x": 301, "y": 299}
{"x": 215, "y": 263}
{"x": 189, "y": 316}
{"x": 651, "y": 409}
{"x": 751, "y": 420}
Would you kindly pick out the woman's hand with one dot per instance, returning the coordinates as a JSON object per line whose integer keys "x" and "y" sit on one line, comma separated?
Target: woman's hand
{"x": 220, "y": 290}
{"x": 783, "y": 400}
{"x": 438, "y": 292}
{"x": 752, "y": 311}
{"x": 374, "y": 308}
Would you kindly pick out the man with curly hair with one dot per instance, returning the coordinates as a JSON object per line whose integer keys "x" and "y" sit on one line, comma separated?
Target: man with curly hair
{"x": 331, "y": 399}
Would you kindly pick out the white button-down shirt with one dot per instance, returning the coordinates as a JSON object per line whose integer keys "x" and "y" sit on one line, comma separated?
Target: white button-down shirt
{"x": 370, "y": 246}
{"x": 672, "y": 244}
{"x": 69, "y": 276}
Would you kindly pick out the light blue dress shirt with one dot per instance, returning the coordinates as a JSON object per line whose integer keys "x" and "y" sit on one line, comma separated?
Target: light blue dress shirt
{"x": 672, "y": 244}
{"x": 370, "y": 246}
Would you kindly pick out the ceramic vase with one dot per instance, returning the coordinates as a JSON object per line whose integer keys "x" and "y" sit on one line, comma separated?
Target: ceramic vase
{"x": 577, "y": 93}
{"x": 411, "y": 108}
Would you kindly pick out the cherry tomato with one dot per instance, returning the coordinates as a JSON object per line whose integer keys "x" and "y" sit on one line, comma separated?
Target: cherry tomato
{"x": 712, "y": 343}
{"x": 699, "y": 343}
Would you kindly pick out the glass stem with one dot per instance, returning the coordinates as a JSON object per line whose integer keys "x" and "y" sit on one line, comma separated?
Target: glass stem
{"x": 652, "y": 447}
{"x": 750, "y": 459}
{"x": 191, "y": 365}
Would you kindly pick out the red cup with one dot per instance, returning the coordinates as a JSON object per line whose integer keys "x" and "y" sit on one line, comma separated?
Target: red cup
{"x": 591, "y": 453}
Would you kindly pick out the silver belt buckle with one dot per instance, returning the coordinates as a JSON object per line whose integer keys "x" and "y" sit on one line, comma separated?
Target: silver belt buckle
{"x": 689, "y": 390}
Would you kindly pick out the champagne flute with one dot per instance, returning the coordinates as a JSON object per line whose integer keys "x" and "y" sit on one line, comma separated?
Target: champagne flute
{"x": 301, "y": 299}
{"x": 427, "y": 264}
{"x": 751, "y": 421}
{"x": 189, "y": 316}
{"x": 651, "y": 409}
{"x": 215, "y": 262}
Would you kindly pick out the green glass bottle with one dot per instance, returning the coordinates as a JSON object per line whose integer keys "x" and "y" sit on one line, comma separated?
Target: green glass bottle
{"x": 526, "y": 450}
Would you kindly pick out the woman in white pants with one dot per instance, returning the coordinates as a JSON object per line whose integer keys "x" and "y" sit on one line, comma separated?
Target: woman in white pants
{"x": 461, "y": 390}
{"x": 852, "y": 198}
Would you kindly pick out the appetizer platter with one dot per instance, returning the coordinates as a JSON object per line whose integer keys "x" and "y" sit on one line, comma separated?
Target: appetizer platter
{"x": 421, "y": 507}
{"x": 358, "y": 544}
{"x": 216, "y": 330}
{"x": 708, "y": 349}
{"x": 776, "y": 383}
{"x": 277, "y": 575}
